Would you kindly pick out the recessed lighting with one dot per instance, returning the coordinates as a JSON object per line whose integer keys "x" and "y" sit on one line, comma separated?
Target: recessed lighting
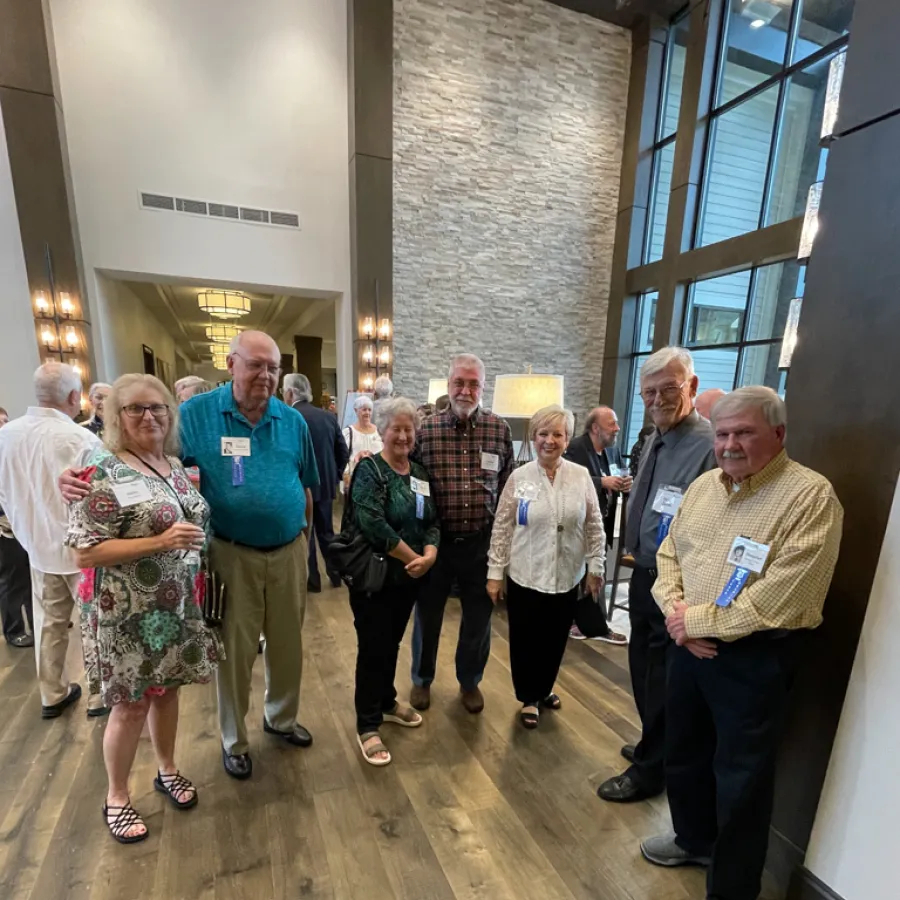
{"x": 757, "y": 23}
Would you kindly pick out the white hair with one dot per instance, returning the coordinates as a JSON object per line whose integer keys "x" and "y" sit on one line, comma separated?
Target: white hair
{"x": 96, "y": 386}
{"x": 300, "y": 385}
{"x": 550, "y": 415}
{"x": 467, "y": 359}
{"x": 384, "y": 387}
{"x": 388, "y": 410}
{"x": 187, "y": 381}
{"x": 54, "y": 381}
{"x": 757, "y": 397}
{"x": 659, "y": 360}
{"x": 362, "y": 401}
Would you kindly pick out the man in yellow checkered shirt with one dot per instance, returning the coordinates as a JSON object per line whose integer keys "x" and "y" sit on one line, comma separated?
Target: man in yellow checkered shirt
{"x": 743, "y": 574}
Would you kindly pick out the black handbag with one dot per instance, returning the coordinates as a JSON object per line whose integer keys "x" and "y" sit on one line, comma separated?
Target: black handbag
{"x": 351, "y": 555}
{"x": 590, "y": 617}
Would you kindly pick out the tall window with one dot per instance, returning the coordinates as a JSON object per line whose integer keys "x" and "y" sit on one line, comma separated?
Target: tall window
{"x": 763, "y": 148}
{"x": 663, "y": 149}
{"x": 643, "y": 345}
{"x": 735, "y": 323}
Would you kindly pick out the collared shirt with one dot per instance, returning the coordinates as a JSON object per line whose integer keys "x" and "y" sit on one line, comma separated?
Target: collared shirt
{"x": 34, "y": 450}
{"x": 791, "y": 509}
{"x": 675, "y": 458}
{"x": 459, "y": 455}
{"x": 562, "y": 534}
{"x": 269, "y": 507}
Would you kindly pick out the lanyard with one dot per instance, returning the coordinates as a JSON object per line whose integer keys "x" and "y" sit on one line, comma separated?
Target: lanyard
{"x": 162, "y": 478}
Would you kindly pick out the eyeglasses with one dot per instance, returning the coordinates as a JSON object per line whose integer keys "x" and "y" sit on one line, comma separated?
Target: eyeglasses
{"x": 137, "y": 410}
{"x": 256, "y": 366}
{"x": 669, "y": 392}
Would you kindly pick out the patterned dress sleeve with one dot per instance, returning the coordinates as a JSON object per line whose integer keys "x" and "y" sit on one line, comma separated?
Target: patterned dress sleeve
{"x": 502, "y": 533}
{"x": 97, "y": 517}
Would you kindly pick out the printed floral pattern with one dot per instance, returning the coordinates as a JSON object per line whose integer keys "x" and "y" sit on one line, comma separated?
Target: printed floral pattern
{"x": 142, "y": 626}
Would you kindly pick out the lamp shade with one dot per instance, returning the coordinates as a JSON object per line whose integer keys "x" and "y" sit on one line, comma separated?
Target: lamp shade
{"x": 521, "y": 396}
{"x": 437, "y": 387}
{"x": 224, "y": 304}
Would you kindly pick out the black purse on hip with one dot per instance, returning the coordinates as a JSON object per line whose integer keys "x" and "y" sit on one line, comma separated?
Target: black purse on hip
{"x": 351, "y": 555}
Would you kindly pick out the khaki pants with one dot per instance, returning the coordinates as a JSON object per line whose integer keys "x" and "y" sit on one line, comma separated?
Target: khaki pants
{"x": 53, "y": 599}
{"x": 266, "y": 593}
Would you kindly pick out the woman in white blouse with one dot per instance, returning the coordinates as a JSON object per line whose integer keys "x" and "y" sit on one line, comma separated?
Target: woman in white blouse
{"x": 362, "y": 438}
{"x": 547, "y": 532}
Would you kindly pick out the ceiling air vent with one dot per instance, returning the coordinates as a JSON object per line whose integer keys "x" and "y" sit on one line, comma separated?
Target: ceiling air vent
{"x": 223, "y": 211}
{"x": 157, "y": 201}
{"x": 195, "y": 207}
{"x": 290, "y": 220}
{"x": 254, "y": 215}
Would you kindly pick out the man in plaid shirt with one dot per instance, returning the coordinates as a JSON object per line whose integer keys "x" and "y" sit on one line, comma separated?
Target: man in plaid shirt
{"x": 468, "y": 453}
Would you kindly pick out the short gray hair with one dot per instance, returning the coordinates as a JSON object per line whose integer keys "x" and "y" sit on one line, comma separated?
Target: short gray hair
{"x": 388, "y": 410}
{"x": 362, "y": 401}
{"x": 659, "y": 360}
{"x": 300, "y": 385}
{"x": 593, "y": 416}
{"x": 96, "y": 386}
{"x": 54, "y": 381}
{"x": 550, "y": 415}
{"x": 187, "y": 381}
{"x": 758, "y": 397}
{"x": 467, "y": 359}
{"x": 384, "y": 387}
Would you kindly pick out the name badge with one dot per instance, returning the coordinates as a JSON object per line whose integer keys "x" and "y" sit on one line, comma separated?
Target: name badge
{"x": 232, "y": 446}
{"x": 422, "y": 488}
{"x": 667, "y": 499}
{"x": 129, "y": 493}
{"x": 490, "y": 462}
{"x": 748, "y": 554}
{"x": 527, "y": 490}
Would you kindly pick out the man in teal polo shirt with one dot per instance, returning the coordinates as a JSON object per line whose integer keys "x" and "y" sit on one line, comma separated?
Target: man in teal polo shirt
{"x": 256, "y": 469}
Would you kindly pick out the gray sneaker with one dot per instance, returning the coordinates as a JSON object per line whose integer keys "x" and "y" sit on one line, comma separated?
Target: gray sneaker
{"x": 662, "y": 850}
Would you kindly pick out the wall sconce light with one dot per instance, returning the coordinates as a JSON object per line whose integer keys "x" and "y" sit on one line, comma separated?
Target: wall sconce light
{"x": 789, "y": 341}
{"x": 384, "y": 330}
{"x": 368, "y": 327}
{"x": 384, "y": 356}
{"x": 810, "y": 222}
{"x": 368, "y": 356}
{"x": 368, "y": 382}
{"x": 41, "y": 304}
{"x": 48, "y": 338}
{"x": 833, "y": 96}
{"x": 78, "y": 370}
{"x": 65, "y": 305}
{"x": 71, "y": 338}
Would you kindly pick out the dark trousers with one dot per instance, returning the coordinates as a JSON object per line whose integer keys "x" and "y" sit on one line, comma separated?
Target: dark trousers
{"x": 538, "y": 633}
{"x": 323, "y": 531}
{"x": 15, "y": 588}
{"x": 380, "y": 620}
{"x": 647, "y": 660}
{"x": 464, "y": 561}
{"x": 723, "y": 725}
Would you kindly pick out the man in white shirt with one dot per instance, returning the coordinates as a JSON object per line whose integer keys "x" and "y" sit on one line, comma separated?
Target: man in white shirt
{"x": 34, "y": 450}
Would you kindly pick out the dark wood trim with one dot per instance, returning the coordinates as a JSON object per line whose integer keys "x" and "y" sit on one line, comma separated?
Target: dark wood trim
{"x": 805, "y": 886}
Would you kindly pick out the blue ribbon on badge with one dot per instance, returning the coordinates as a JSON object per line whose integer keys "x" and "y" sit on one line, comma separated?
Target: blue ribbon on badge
{"x": 733, "y": 586}
{"x": 420, "y": 506}
{"x": 237, "y": 470}
{"x": 662, "y": 530}
{"x": 523, "y": 511}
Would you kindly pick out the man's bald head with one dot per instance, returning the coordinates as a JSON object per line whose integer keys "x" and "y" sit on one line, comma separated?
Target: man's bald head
{"x": 707, "y": 400}
{"x": 254, "y": 362}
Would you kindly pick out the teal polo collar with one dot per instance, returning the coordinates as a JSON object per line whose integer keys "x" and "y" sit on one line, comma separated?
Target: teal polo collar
{"x": 228, "y": 406}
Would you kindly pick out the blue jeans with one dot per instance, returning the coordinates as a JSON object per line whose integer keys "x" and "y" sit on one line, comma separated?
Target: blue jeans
{"x": 464, "y": 561}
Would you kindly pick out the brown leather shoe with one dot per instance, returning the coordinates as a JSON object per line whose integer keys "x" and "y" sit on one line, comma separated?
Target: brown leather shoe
{"x": 420, "y": 697}
{"x": 472, "y": 700}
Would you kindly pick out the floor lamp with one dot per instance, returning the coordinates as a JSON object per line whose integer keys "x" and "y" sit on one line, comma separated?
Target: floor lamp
{"x": 519, "y": 397}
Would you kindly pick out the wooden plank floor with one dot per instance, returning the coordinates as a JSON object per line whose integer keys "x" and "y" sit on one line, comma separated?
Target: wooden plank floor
{"x": 473, "y": 807}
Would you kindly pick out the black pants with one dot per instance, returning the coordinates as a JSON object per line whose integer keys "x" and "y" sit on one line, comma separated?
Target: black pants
{"x": 15, "y": 588}
{"x": 463, "y": 560}
{"x": 647, "y": 650}
{"x": 380, "y": 620}
{"x": 538, "y": 633}
{"x": 723, "y": 724}
{"x": 323, "y": 530}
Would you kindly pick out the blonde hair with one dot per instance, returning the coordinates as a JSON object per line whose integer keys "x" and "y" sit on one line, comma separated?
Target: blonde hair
{"x": 122, "y": 387}
{"x": 550, "y": 415}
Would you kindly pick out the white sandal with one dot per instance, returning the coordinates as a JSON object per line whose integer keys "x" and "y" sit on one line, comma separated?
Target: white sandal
{"x": 407, "y": 717}
{"x": 376, "y": 747}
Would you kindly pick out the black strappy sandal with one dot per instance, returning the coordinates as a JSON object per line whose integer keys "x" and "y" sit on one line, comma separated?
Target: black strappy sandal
{"x": 551, "y": 701}
{"x": 530, "y": 719}
{"x": 126, "y": 817}
{"x": 171, "y": 785}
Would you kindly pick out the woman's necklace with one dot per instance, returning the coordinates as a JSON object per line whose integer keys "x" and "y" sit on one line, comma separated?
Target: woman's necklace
{"x": 557, "y": 499}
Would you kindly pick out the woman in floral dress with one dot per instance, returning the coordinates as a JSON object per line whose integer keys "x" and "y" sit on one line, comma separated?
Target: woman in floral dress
{"x": 138, "y": 535}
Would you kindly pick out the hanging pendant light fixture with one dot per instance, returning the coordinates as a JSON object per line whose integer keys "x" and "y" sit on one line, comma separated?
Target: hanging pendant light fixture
{"x": 224, "y": 304}
{"x": 221, "y": 333}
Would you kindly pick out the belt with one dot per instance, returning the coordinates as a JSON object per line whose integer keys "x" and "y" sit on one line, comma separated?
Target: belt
{"x": 465, "y": 537}
{"x": 271, "y": 549}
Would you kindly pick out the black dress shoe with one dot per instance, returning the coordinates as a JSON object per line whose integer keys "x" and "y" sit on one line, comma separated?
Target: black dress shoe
{"x": 313, "y": 587}
{"x": 97, "y": 712}
{"x": 298, "y": 736}
{"x": 21, "y": 641}
{"x": 238, "y": 766}
{"x": 57, "y": 709}
{"x": 628, "y": 752}
{"x": 624, "y": 789}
